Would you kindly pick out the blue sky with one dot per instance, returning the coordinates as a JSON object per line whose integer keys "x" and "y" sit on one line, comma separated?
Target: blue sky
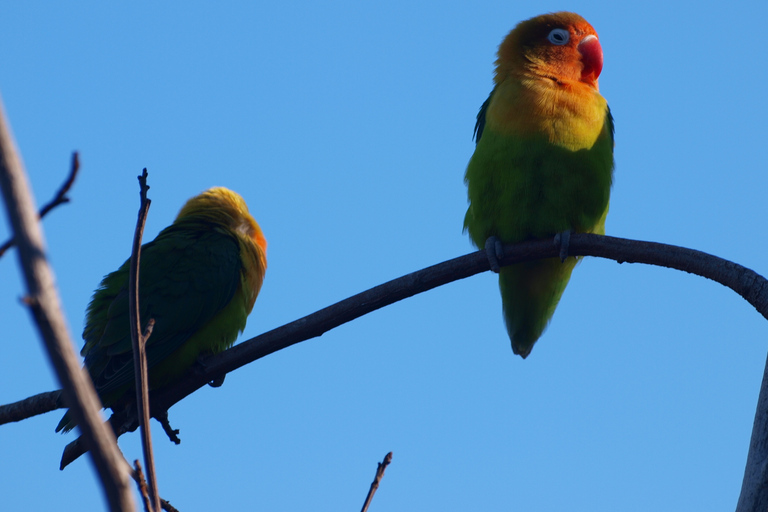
{"x": 347, "y": 128}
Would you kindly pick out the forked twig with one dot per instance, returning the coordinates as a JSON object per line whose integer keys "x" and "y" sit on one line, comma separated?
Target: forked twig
{"x": 59, "y": 198}
{"x": 138, "y": 477}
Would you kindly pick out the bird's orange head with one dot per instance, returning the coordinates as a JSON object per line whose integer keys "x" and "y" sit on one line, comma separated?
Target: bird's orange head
{"x": 560, "y": 46}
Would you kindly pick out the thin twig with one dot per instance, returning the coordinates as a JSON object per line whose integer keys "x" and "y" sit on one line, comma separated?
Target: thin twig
{"x": 377, "y": 479}
{"x": 59, "y": 198}
{"x": 138, "y": 476}
{"x": 45, "y": 306}
{"x": 167, "y": 506}
{"x": 139, "y": 341}
{"x": 142, "y": 483}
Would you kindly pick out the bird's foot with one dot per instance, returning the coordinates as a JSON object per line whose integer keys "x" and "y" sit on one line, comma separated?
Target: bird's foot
{"x": 217, "y": 382}
{"x": 200, "y": 367}
{"x": 563, "y": 240}
{"x": 494, "y": 251}
{"x": 173, "y": 434}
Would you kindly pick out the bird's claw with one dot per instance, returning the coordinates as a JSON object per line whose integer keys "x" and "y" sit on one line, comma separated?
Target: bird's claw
{"x": 217, "y": 382}
{"x": 494, "y": 251}
{"x": 563, "y": 240}
{"x": 173, "y": 434}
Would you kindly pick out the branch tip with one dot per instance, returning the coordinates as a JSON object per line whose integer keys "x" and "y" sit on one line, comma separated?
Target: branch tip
{"x": 382, "y": 466}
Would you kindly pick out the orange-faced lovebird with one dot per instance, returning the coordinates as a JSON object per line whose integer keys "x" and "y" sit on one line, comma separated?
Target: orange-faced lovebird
{"x": 198, "y": 280}
{"x": 543, "y": 163}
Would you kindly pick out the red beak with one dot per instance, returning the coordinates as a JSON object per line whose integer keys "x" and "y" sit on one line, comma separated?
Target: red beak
{"x": 592, "y": 58}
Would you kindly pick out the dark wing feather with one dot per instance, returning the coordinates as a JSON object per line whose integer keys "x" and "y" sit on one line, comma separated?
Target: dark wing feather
{"x": 480, "y": 124}
{"x": 609, "y": 120}
{"x": 187, "y": 277}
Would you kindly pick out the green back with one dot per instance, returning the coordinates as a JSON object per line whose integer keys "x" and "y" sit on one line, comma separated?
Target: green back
{"x": 189, "y": 275}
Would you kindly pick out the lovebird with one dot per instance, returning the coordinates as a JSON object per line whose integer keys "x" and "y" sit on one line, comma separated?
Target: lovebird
{"x": 198, "y": 280}
{"x": 543, "y": 161}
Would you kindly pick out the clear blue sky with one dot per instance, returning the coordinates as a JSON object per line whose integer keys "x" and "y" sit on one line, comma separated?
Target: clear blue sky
{"x": 347, "y": 128}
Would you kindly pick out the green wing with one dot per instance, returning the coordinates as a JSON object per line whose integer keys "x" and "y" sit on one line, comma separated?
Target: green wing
{"x": 187, "y": 277}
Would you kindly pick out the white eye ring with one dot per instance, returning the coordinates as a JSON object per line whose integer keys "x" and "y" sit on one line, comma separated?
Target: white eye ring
{"x": 559, "y": 36}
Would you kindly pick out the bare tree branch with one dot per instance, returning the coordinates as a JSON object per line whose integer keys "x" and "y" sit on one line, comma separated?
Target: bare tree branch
{"x": 377, "y": 480}
{"x": 32, "y": 406}
{"x": 754, "y": 486}
{"x": 747, "y": 283}
{"x": 59, "y": 198}
{"x": 43, "y": 301}
{"x": 139, "y": 341}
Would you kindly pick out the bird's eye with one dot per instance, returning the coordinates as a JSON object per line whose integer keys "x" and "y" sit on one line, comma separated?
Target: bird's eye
{"x": 559, "y": 36}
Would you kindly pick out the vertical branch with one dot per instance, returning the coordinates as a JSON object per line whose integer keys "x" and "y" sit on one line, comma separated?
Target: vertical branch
{"x": 139, "y": 341}
{"x": 43, "y": 301}
{"x": 754, "y": 486}
{"x": 377, "y": 479}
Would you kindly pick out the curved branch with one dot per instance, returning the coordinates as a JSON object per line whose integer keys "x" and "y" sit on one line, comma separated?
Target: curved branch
{"x": 747, "y": 283}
